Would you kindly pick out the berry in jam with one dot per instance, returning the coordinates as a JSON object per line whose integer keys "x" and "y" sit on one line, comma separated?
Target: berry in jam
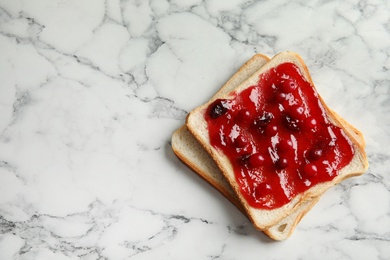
{"x": 315, "y": 153}
{"x": 256, "y": 160}
{"x": 241, "y": 141}
{"x": 284, "y": 143}
{"x": 310, "y": 170}
{"x": 218, "y": 108}
{"x": 291, "y": 123}
{"x": 262, "y": 121}
{"x": 281, "y": 163}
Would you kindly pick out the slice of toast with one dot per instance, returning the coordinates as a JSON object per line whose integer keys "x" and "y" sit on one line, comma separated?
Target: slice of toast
{"x": 188, "y": 149}
{"x": 266, "y": 218}
{"x": 190, "y": 152}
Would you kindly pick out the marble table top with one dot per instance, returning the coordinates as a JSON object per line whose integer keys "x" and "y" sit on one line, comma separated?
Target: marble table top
{"x": 91, "y": 92}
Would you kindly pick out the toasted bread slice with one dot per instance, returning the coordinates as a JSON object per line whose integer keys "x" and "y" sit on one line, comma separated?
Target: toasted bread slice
{"x": 265, "y": 218}
{"x": 188, "y": 149}
{"x": 190, "y": 152}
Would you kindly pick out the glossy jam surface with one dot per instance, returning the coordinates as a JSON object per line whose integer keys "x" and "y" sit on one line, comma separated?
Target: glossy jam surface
{"x": 277, "y": 137}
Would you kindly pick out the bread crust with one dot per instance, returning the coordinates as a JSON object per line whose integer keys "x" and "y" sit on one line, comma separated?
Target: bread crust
{"x": 263, "y": 219}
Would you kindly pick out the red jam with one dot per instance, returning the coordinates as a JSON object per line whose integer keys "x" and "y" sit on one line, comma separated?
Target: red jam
{"x": 278, "y": 138}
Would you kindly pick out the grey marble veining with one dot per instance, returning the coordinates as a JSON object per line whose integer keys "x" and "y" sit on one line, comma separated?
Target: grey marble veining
{"x": 91, "y": 91}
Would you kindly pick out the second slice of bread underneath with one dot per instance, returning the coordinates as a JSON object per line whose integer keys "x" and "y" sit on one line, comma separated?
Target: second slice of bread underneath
{"x": 268, "y": 219}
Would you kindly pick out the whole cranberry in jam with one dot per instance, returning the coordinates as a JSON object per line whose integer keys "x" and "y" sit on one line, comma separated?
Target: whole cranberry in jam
{"x": 281, "y": 163}
{"x": 280, "y": 97}
{"x": 241, "y": 141}
{"x": 315, "y": 153}
{"x": 284, "y": 145}
{"x": 271, "y": 130}
{"x": 310, "y": 170}
{"x": 256, "y": 160}
{"x": 218, "y": 108}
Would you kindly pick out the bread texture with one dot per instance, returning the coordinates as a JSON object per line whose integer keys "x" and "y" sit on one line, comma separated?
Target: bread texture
{"x": 265, "y": 219}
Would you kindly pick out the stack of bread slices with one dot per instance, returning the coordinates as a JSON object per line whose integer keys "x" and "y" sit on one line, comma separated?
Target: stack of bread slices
{"x": 191, "y": 143}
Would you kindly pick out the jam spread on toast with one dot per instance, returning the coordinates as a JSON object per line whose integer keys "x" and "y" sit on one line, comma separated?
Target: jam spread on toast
{"x": 277, "y": 137}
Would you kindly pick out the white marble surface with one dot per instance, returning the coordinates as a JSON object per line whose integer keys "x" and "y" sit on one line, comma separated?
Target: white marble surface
{"x": 91, "y": 91}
